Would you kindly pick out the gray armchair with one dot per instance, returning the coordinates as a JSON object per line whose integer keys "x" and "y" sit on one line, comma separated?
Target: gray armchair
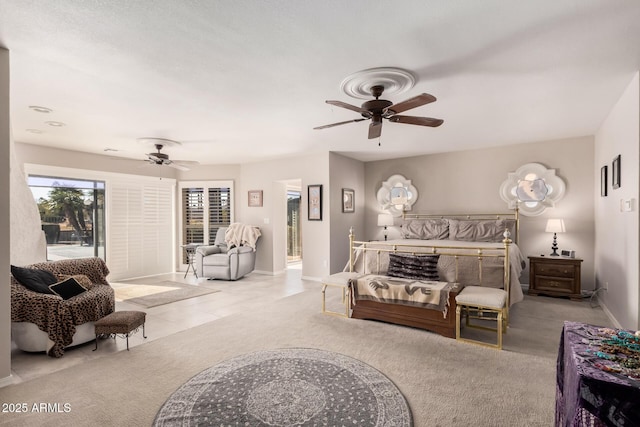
{"x": 218, "y": 262}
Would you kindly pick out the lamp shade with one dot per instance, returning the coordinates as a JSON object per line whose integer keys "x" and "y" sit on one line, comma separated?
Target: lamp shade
{"x": 385, "y": 220}
{"x": 555, "y": 226}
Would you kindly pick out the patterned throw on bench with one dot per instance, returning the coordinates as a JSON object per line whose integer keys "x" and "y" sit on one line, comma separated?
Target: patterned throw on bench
{"x": 392, "y": 290}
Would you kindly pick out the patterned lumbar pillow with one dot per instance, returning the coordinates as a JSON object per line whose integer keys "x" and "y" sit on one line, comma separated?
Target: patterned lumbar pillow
{"x": 68, "y": 288}
{"x": 34, "y": 279}
{"x": 419, "y": 267}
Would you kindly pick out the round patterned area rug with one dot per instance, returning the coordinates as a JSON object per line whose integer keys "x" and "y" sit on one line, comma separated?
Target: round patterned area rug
{"x": 287, "y": 387}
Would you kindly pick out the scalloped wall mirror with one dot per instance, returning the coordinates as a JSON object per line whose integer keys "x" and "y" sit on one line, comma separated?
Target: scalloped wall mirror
{"x": 397, "y": 195}
{"x": 532, "y": 188}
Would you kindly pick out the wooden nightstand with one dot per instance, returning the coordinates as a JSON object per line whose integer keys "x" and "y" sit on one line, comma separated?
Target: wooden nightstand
{"x": 556, "y": 276}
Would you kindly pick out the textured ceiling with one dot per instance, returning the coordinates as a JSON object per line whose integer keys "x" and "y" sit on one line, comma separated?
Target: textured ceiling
{"x": 241, "y": 81}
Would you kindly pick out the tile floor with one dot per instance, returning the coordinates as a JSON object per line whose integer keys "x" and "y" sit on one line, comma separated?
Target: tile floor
{"x": 252, "y": 291}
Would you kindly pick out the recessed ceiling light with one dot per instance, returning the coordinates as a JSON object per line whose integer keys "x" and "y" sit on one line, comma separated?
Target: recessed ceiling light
{"x": 40, "y": 109}
{"x": 55, "y": 124}
{"x": 34, "y": 130}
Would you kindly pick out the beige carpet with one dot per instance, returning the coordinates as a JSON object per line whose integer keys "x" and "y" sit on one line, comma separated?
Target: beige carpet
{"x": 445, "y": 382}
{"x": 157, "y": 294}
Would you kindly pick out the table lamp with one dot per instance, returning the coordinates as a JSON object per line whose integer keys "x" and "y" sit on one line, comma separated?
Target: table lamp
{"x": 385, "y": 220}
{"x": 555, "y": 226}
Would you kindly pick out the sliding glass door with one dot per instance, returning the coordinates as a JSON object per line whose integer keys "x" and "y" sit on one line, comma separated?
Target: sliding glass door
{"x": 72, "y": 215}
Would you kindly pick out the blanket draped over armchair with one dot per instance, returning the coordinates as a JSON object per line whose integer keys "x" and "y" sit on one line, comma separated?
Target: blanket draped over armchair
{"x": 59, "y": 317}
{"x": 238, "y": 234}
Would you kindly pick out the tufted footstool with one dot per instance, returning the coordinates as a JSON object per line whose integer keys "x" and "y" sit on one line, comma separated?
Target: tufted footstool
{"x": 489, "y": 304}
{"x": 124, "y": 323}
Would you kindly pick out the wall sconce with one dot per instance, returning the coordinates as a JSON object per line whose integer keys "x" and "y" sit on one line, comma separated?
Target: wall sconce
{"x": 385, "y": 220}
{"x": 555, "y": 226}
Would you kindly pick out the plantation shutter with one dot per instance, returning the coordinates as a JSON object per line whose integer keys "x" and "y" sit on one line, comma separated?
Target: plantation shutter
{"x": 219, "y": 210}
{"x": 140, "y": 219}
{"x": 193, "y": 215}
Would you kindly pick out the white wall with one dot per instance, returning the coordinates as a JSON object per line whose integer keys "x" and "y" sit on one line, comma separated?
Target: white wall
{"x": 344, "y": 173}
{"x": 469, "y": 182}
{"x": 5, "y": 228}
{"x": 42, "y": 155}
{"x": 270, "y": 177}
{"x": 617, "y": 251}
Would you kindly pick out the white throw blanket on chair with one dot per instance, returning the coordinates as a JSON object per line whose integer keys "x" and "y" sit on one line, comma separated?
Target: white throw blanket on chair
{"x": 238, "y": 234}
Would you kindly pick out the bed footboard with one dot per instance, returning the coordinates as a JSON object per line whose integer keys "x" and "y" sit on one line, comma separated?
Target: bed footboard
{"x": 416, "y": 317}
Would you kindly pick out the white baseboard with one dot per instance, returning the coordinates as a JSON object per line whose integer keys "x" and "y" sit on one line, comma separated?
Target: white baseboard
{"x": 609, "y": 314}
{"x": 6, "y": 381}
{"x": 268, "y": 273}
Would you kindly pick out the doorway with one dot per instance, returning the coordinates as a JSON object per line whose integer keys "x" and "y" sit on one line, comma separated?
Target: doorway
{"x": 294, "y": 227}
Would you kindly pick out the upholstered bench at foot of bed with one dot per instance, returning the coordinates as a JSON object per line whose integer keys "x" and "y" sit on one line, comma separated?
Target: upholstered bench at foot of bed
{"x": 340, "y": 280}
{"x": 123, "y": 323}
{"x": 488, "y": 304}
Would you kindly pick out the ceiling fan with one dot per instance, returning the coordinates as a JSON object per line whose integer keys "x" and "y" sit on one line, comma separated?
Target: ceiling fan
{"x": 378, "y": 109}
{"x": 160, "y": 158}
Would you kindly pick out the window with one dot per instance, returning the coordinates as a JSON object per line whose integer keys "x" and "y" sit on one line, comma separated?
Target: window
{"x": 72, "y": 215}
{"x": 206, "y": 206}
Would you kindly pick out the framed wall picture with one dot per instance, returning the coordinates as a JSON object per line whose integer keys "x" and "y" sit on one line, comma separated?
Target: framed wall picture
{"x": 255, "y": 198}
{"x": 603, "y": 181}
{"x": 348, "y": 200}
{"x": 314, "y": 193}
{"x": 615, "y": 172}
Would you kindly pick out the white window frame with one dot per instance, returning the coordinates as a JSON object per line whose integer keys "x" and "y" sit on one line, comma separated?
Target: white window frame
{"x": 206, "y": 185}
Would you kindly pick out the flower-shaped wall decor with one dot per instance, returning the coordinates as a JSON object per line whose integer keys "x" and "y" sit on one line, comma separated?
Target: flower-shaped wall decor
{"x": 397, "y": 195}
{"x": 532, "y": 188}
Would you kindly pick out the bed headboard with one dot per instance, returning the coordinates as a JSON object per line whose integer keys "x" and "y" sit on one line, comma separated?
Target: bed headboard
{"x": 512, "y": 218}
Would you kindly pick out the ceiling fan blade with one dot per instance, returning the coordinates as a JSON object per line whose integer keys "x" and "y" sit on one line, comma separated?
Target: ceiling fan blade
{"x": 339, "y": 123}
{"x": 420, "y": 121}
{"x": 176, "y": 165}
{"x": 375, "y": 130}
{"x": 410, "y": 103}
{"x": 348, "y": 106}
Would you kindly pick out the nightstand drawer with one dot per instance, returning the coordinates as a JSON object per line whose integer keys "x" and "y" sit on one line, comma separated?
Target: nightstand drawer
{"x": 555, "y": 270}
{"x": 554, "y": 284}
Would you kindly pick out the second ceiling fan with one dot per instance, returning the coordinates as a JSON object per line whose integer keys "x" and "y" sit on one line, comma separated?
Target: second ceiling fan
{"x": 378, "y": 109}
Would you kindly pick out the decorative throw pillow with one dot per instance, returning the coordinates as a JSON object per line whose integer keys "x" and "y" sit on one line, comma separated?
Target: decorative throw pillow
{"x": 68, "y": 288}
{"x": 419, "y": 267}
{"x": 83, "y": 280}
{"x": 33, "y": 279}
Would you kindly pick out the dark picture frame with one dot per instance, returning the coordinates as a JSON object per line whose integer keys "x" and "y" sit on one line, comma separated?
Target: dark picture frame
{"x": 603, "y": 181}
{"x": 314, "y": 202}
{"x": 255, "y": 198}
{"x": 615, "y": 172}
{"x": 348, "y": 200}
